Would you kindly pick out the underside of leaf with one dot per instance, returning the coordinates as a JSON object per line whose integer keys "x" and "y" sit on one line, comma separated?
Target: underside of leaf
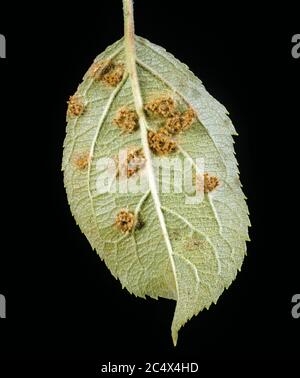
{"x": 155, "y": 243}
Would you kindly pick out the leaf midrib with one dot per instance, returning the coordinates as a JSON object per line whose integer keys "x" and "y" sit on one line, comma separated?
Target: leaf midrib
{"x": 139, "y": 107}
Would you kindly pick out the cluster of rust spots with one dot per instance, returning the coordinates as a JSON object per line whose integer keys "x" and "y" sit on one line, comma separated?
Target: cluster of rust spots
{"x": 127, "y": 120}
{"x": 81, "y": 161}
{"x": 125, "y": 221}
{"x": 163, "y": 106}
{"x": 75, "y": 106}
{"x": 180, "y": 122}
{"x": 207, "y": 182}
{"x": 134, "y": 161}
{"x": 107, "y": 71}
{"x": 161, "y": 143}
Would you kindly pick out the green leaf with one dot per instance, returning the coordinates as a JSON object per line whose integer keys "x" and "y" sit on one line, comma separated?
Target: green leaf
{"x": 156, "y": 243}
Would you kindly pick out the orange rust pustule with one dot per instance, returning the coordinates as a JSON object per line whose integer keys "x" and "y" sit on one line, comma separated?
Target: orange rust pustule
{"x": 180, "y": 122}
{"x": 210, "y": 183}
{"x": 114, "y": 76}
{"x": 187, "y": 118}
{"x": 81, "y": 161}
{"x": 107, "y": 71}
{"x": 75, "y": 106}
{"x": 125, "y": 221}
{"x": 207, "y": 185}
{"x": 127, "y": 120}
{"x": 135, "y": 160}
{"x": 173, "y": 124}
{"x": 161, "y": 143}
{"x": 163, "y": 106}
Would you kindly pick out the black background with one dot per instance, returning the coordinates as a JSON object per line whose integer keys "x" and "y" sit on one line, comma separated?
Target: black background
{"x": 63, "y": 305}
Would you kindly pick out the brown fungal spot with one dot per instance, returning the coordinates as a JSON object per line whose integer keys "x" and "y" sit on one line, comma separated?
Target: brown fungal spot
{"x": 187, "y": 118}
{"x": 163, "y": 106}
{"x": 173, "y": 124}
{"x": 180, "y": 122}
{"x": 125, "y": 221}
{"x": 107, "y": 71}
{"x": 114, "y": 76}
{"x": 208, "y": 184}
{"x": 127, "y": 120}
{"x": 81, "y": 161}
{"x": 161, "y": 143}
{"x": 75, "y": 106}
{"x": 133, "y": 162}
